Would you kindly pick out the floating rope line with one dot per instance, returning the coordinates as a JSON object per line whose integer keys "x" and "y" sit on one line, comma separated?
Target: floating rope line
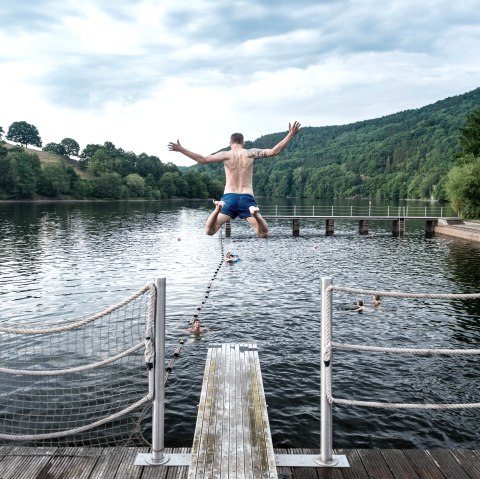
{"x": 176, "y": 353}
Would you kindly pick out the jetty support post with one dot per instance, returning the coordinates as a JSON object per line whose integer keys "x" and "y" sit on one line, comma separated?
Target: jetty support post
{"x": 398, "y": 227}
{"x": 329, "y": 227}
{"x": 158, "y": 412}
{"x": 430, "y": 228}
{"x": 296, "y": 227}
{"x": 326, "y": 452}
{"x": 363, "y": 227}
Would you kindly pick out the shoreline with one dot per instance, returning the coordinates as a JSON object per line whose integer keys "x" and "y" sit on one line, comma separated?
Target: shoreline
{"x": 465, "y": 230}
{"x": 99, "y": 200}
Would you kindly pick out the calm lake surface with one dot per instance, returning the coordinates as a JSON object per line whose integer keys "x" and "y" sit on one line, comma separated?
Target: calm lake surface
{"x": 63, "y": 260}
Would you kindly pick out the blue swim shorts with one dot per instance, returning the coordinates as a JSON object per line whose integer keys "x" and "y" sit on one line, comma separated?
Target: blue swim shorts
{"x": 237, "y": 204}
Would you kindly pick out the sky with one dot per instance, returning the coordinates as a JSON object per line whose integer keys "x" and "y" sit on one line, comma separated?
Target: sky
{"x": 141, "y": 73}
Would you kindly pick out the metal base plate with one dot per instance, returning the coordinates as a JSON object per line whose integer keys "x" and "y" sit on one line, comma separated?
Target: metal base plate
{"x": 308, "y": 460}
{"x": 281, "y": 460}
{"x": 170, "y": 459}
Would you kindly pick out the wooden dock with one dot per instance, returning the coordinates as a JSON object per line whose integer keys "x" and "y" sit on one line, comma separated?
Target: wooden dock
{"x": 118, "y": 463}
{"x": 398, "y": 223}
{"x": 232, "y": 440}
{"x": 232, "y": 435}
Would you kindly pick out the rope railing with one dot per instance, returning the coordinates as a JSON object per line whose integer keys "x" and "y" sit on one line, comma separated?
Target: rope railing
{"x": 354, "y": 211}
{"x": 377, "y": 349}
{"x": 78, "y": 369}
{"x": 76, "y": 323}
{"x": 327, "y": 347}
{"x": 399, "y": 294}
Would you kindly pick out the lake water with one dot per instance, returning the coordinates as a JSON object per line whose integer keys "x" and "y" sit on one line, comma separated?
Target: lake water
{"x": 68, "y": 259}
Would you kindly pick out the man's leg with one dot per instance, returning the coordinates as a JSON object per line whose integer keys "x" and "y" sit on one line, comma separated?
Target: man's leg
{"x": 257, "y": 222}
{"x": 216, "y": 219}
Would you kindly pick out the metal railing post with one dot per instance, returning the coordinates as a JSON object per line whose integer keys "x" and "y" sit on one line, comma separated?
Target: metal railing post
{"x": 276, "y": 210}
{"x": 158, "y": 413}
{"x": 326, "y": 451}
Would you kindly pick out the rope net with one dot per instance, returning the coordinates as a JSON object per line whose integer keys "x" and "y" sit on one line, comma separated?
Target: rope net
{"x": 79, "y": 382}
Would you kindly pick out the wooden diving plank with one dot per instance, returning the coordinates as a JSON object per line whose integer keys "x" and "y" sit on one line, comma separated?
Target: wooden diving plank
{"x": 232, "y": 435}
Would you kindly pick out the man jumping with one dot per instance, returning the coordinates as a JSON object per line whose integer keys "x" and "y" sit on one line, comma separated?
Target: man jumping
{"x": 237, "y": 199}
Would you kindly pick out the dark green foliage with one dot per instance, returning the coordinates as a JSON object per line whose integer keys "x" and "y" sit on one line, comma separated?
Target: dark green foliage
{"x": 109, "y": 185}
{"x": 136, "y": 185}
{"x": 470, "y": 135}
{"x": 24, "y": 133}
{"x": 463, "y": 188}
{"x": 56, "y": 148}
{"x": 72, "y": 148}
{"x": 57, "y": 179}
{"x": 463, "y": 185}
{"x": 87, "y": 154}
{"x": 22, "y": 174}
{"x": 1, "y": 133}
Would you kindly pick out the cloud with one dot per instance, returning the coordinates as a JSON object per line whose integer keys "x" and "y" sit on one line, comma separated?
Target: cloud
{"x": 142, "y": 72}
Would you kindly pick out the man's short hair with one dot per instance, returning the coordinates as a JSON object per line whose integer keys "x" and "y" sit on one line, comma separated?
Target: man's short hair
{"x": 237, "y": 138}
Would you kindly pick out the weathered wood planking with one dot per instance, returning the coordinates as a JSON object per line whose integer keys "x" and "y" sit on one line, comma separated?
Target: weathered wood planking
{"x": 232, "y": 435}
{"x": 118, "y": 463}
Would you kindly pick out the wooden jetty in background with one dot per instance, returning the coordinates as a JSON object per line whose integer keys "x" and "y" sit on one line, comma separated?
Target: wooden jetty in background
{"x": 363, "y": 215}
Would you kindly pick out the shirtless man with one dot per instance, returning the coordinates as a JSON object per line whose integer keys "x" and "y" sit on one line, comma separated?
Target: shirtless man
{"x": 237, "y": 199}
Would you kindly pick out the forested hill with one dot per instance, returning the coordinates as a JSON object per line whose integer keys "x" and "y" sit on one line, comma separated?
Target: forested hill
{"x": 403, "y": 155}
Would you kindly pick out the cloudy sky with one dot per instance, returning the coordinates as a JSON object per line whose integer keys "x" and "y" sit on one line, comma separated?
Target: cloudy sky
{"x": 140, "y": 73}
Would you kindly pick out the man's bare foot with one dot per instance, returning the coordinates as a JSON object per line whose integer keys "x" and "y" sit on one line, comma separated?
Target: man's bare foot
{"x": 253, "y": 210}
{"x": 218, "y": 204}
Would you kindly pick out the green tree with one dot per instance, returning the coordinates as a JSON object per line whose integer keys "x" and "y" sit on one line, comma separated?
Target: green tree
{"x": 55, "y": 180}
{"x": 4, "y": 172}
{"x": 24, "y": 133}
{"x": 149, "y": 165}
{"x": 56, "y": 148}
{"x": 108, "y": 185}
{"x": 101, "y": 162}
{"x": 135, "y": 184}
{"x": 167, "y": 184}
{"x": 196, "y": 187}
{"x": 463, "y": 188}
{"x": 470, "y": 134}
{"x": 1, "y": 133}
{"x": 24, "y": 173}
{"x": 72, "y": 148}
{"x": 82, "y": 189}
{"x": 87, "y": 154}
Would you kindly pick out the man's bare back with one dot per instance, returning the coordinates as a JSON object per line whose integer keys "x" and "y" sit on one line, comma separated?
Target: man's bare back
{"x": 238, "y": 165}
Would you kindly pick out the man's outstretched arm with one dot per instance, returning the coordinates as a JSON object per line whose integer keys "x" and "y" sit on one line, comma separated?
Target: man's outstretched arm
{"x": 292, "y": 131}
{"x": 216, "y": 158}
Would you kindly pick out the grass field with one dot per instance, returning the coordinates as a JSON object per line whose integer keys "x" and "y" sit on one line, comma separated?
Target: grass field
{"x": 47, "y": 157}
